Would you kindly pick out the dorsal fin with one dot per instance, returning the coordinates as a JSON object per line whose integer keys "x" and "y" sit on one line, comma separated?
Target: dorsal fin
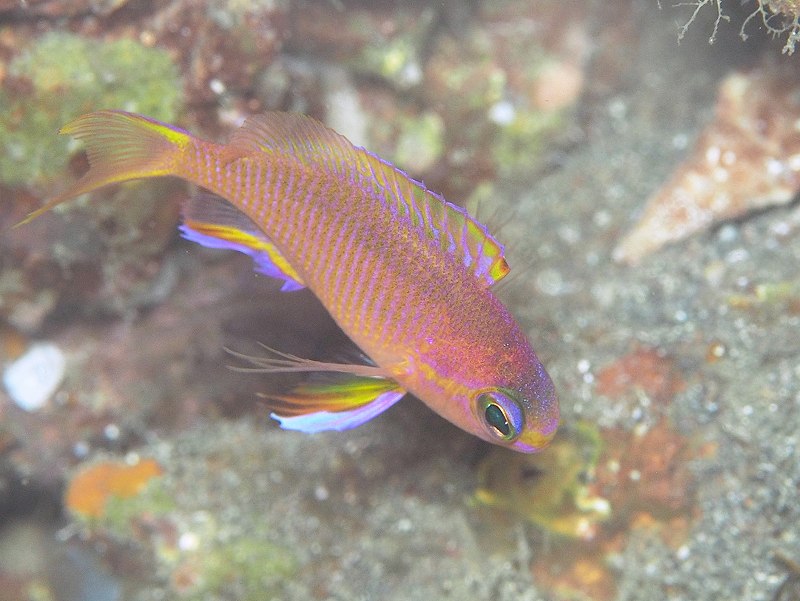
{"x": 453, "y": 229}
{"x": 312, "y": 143}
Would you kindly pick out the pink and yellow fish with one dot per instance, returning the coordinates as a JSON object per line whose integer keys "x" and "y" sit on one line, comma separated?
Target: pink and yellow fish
{"x": 404, "y": 273}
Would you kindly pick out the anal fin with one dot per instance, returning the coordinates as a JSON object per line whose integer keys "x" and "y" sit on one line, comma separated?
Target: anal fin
{"x": 212, "y": 221}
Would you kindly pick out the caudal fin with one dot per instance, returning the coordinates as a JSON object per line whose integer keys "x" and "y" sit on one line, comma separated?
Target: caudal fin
{"x": 120, "y": 146}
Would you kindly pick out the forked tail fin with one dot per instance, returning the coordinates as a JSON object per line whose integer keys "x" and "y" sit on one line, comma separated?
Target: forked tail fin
{"x": 120, "y": 146}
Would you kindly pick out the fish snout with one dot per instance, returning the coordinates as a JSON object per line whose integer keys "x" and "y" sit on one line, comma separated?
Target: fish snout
{"x": 541, "y": 422}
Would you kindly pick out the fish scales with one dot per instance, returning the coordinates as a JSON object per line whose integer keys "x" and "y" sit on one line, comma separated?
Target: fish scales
{"x": 404, "y": 274}
{"x": 276, "y": 197}
{"x": 408, "y": 289}
{"x": 410, "y": 292}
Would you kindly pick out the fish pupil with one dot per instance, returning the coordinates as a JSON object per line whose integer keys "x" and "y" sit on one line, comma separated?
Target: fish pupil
{"x": 496, "y": 418}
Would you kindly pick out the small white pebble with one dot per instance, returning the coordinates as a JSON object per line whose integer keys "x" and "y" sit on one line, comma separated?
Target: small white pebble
{"x": 217, "y": 86}
{"x": 618, "y": 109}
{"x": 404, "y": 525}
{"x": 111, "y": 431}
{"x": 33, "y": 378}
{"x": 713, "y": 154}
{"x": 81, "y": 449}
{"x": 737, "y": 255}
{"x": 680, "y": 141}
{"x": 775, "y": 167}
{"x": 188, "y": 541}
{"x": 502, "y": 113}
{"x": 321, "y": 493}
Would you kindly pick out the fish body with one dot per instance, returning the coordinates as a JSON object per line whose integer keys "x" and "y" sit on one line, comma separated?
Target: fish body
{"x": 406, "y": 275}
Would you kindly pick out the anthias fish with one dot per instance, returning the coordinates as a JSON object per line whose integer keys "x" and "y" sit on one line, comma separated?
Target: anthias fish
{"x": 405, "y": 274}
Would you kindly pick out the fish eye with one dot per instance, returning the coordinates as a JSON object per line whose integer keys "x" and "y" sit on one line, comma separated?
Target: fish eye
{"x": 501, "y": 414}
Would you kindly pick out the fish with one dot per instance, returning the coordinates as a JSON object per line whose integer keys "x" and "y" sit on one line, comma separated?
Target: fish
{"x": 405, "y": 274}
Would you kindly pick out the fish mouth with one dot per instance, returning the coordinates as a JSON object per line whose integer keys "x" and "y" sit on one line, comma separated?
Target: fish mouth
{"x": 541, "y": 433}
{"x": 531, "y": 442}
{"x": 542, "y": 418}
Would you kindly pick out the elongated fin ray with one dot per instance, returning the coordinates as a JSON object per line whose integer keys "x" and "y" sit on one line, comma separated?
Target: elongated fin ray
{"x": 450, "y": 227}
{"x": 212, "y": 221}
{"x": 278, "y": 362}
{"x": 120, "y": 146}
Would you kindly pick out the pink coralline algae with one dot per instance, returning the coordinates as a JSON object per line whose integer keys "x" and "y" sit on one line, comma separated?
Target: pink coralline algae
{"x": 747, "y": 158}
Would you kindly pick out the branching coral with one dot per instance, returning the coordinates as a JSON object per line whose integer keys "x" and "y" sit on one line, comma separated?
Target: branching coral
{"x": 777, "y": 16}
{"x": 698, "y": 5}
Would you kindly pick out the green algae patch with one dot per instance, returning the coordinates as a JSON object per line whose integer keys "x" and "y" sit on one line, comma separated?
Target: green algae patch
{"x": 61, "y": 76}
{"x": 246, "y": 568}
{"x": 419, "y": 141}
{"x": 520, "y": 142}
{"x": 125, "y": 515}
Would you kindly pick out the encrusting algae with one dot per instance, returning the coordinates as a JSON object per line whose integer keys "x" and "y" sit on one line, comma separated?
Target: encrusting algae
{"x": 405, "y": 274}
{"x": 94, "y": 486}
{"x": 60, "y": 75}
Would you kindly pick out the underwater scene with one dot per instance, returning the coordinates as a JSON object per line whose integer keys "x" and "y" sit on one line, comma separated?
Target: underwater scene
{"x": 399, "y": 300}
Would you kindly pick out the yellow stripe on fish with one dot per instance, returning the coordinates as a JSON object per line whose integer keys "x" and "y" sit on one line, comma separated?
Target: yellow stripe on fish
{"x": 405, "y": 274}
